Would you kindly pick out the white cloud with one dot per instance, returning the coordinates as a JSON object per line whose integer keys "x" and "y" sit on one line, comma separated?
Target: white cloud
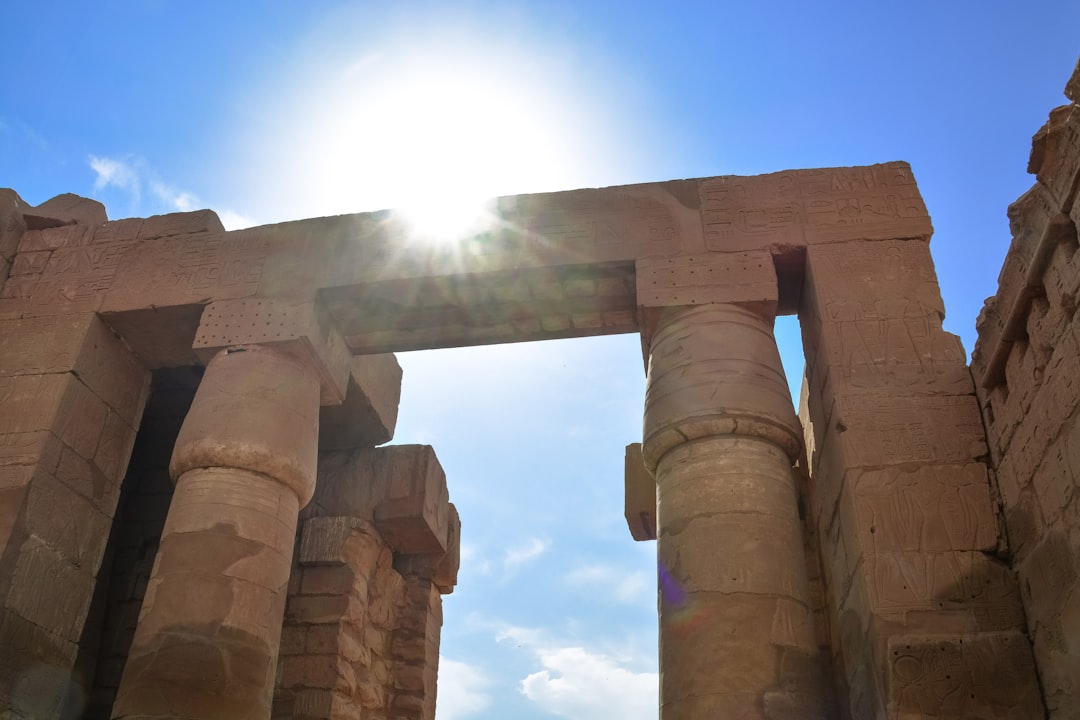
{"x": 117, "y": 173}
{"x": 131, "y": 175}
{"x": 582, "y": 685}
{"x": 519, "y": 555}
{"x": 178, "y": 200}
{"x": 462, "y": 690}
{"x": 473, "y": 561}
{"x": 624, "y": 587}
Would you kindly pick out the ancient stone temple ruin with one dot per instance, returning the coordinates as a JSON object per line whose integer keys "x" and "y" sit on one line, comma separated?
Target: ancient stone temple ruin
{"x": 199, "y": 517}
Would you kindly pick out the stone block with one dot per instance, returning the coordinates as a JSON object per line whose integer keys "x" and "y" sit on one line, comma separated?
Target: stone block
{"x": 876, "y": 430}
{"x": 35, "y": 668}
{"x": 332, "y": 580}
{"x": 323, "y": 540}
{"x": 412, "y": 501}
{"x": 29, "y": 263}
{"x": 986, "y": 675}
{"x": 1055, "y": 155}
{"x": 445, "y": 576}
{"x": 84, "y": 345}
{"x": 745, "y": 278}
{"x": 927, "y": 508}
{"x": 12, "y": 222}
{"x": 368, "y": 414}
{"x": 639, "y": 492}
{"x": 977, "y": 588}
{"x": 874, "y": 280}
{"x": 800, "y": 207}
{"x": 1072, "y": 87}
{"x": 181, "y": 223}
{"x": 55, "y": 238}
{"x": 187, "y": 270}
{"x": 67, "y": 522}
{"x": 66, "y": 209}
{"x": 303, "y": 330}
{"x": 49, "y": 590}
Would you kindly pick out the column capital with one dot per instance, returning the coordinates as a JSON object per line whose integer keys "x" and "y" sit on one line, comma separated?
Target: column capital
{"x": 715, "y": 370}
{"x": 302, "y": 330}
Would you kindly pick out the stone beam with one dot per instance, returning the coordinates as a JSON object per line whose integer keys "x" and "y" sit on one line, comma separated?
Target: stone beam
{"x": 551, "y": 265}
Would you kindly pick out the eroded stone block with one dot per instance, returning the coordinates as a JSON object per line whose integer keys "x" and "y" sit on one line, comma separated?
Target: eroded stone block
{"x": 412, "y": 509}
{"x": 368, "y": 414}
{"x": 988, "y": 675}
{"x": 445, "y": 576}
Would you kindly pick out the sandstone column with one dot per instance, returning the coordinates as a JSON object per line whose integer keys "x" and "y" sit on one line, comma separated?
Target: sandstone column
{"x": 736, "y": 630}
{"x": 207, "y": 641}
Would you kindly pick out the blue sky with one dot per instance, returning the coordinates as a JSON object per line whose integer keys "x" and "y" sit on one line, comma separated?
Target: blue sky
{"x": 271, "y": 111}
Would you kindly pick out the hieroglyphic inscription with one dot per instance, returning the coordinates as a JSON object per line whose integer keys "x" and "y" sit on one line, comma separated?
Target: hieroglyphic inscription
{"x": 906, "y": 581}
{"x": 933, "y": 508}
{"x": 907, "y": 429}
{"x": 812, "y": 206}
{"x": 987, "y": 675}
{"x": 182, "y": 270}
{"x": 56, "y": 237}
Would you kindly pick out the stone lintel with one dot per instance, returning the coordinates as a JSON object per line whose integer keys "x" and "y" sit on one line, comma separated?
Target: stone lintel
{"x": 368, "y": 415}
{"x": 303, "y": 330}
{"x": 640, "y": 495}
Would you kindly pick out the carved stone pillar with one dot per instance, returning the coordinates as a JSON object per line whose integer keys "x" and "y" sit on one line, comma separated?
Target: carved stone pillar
{"x": 207, "y": 641}
{"x": 736, "y": 630}
{"x": 208, "y": 637}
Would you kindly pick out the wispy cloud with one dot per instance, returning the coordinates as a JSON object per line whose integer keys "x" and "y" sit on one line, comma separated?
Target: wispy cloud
{"x": 621, "y": 586}
{"x": 131, "y": 175}
{"x": 580, "y": 683}
{"x": 463, "y": 690}
{"x": 518, "y": 555}
{"x": 121, "y": 174}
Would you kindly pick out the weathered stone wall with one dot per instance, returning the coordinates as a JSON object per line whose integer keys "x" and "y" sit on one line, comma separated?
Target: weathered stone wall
{"x": 71, "y": 396}
{"x": 1027, "y": 370}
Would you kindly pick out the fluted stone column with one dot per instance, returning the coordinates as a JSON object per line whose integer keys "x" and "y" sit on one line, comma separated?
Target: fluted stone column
{"x": 736, "y": 633}
{"x": 206, "y": 646}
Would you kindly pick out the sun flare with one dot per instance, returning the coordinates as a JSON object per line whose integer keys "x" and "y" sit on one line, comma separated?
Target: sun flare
{"x": 437, "y": 137}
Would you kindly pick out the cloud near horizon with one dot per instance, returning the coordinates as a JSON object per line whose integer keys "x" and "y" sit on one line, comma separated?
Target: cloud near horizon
{"x": 463, "y": 690}
{"x": 580, "y": 683}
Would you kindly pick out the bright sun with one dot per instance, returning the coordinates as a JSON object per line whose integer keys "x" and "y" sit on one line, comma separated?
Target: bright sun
{"x": 435, "y": 142}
